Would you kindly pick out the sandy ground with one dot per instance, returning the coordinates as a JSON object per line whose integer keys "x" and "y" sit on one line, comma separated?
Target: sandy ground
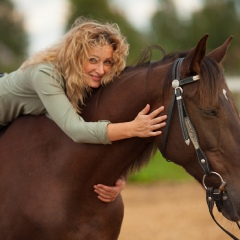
{"x": 170, "y": 211}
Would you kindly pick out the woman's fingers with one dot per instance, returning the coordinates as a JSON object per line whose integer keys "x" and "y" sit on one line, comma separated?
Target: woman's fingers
{"x": 156, "y": 112}
{"x": 158, "y": 120}
{"x": 155, "y": 122}
{"x": 109, "y": 194}
{"x": 145, "y": 110}
{"x": 105, "y": 193}
{"x": 148, "y": 125}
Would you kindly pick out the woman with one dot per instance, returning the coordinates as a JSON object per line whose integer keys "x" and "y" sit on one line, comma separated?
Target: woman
{"x": 56, "y": 81}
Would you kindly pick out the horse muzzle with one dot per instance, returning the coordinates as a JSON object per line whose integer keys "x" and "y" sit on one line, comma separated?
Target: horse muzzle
{"x": 222, "y": 199}
{"x": 225, "y": 205}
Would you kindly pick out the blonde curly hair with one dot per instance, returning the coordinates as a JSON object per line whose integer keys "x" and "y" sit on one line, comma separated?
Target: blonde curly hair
{"x": 73, "y": 51}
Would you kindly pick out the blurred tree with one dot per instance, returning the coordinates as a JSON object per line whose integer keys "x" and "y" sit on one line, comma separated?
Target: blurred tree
{"x": 104, "y": 11}
{"x": 168, "y": 30}
{"x": 13, "y": 38}
{"x": 219, "y": 18}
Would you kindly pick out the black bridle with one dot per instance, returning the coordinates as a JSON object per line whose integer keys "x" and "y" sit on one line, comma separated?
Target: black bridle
{"x": 189, "y": 134}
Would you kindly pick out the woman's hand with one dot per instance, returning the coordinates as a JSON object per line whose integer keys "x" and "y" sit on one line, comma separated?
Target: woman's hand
{"x": 148, "y": 125}
{"x": 109, "y": 194}
{"x": 144, "y": 125}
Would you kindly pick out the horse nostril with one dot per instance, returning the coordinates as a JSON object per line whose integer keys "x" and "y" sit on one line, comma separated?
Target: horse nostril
{"x": 224, "y": 197}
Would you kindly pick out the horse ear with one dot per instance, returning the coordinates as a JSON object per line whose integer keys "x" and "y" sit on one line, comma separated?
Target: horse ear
{"x": 196, "y": 55}
{"x": 219, "y": 53}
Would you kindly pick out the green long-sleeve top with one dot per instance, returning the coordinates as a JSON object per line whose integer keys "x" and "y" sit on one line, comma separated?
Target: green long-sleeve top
{"x": 39, "y": 90}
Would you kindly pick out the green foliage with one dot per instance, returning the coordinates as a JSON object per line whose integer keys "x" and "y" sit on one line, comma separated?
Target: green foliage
{"x": 13, "y": 38}
{"x": 172, "y": 31}
{"x": 167, "y": 30}
{"x": 218, "y": 18}
{"x": 160, "y": 170}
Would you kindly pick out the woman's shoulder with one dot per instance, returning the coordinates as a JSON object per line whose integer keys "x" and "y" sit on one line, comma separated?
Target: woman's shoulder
{"x": 34, "y": 69}
{"x": 50, "y": 72}
{"x": 47, "y": 67}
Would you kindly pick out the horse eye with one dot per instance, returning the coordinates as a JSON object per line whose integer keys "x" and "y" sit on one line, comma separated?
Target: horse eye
{"x": 209, "y": 112}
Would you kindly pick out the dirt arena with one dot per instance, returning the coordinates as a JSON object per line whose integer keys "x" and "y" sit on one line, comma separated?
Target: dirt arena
{"x": 170, "y": 211}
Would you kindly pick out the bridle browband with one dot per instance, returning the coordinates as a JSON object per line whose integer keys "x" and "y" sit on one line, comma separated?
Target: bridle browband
{"x": 189, "y": 134}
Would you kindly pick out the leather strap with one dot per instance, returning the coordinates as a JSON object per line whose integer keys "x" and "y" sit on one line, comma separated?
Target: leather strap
{"x": 212, "y": 195}
{"x": 165, "y": 132}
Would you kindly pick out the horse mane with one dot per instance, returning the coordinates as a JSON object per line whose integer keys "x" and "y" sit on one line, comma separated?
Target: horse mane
{"x": 210, "y": 84}
{"x": 145, "y": 157}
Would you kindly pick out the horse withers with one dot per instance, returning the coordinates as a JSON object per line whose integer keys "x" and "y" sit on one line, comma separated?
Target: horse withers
{"x": 46, "y": 180}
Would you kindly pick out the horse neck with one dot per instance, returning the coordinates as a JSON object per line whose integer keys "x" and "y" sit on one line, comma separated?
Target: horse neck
{"x": 119, "y": 101}
{"x": 159, "y": 89}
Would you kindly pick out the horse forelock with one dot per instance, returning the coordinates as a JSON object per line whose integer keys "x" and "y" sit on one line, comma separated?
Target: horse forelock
{"x": 211, "y": 82}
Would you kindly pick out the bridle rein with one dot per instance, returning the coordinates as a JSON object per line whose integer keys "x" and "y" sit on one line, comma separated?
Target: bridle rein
{"x": 189, "y": 134}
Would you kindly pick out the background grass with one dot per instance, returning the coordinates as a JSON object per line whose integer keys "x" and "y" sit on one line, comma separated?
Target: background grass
{"x": 159, "y": 169}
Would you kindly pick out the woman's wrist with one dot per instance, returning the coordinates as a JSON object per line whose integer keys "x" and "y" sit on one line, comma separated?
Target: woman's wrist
{"x": 119, "y": 131}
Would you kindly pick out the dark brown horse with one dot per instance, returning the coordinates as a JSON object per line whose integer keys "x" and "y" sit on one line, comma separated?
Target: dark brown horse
{"x": 46, "y": 180}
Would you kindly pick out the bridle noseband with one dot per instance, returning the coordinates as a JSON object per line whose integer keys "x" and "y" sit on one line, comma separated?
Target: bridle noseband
{"x": 189, "y": 134}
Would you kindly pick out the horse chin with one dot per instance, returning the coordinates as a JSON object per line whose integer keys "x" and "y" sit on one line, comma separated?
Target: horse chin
{"x": 228, "y": 210}
{"x": 231, "y": 216}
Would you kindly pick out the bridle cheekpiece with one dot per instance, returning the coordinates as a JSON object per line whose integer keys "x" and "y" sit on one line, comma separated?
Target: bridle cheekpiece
{"x": 189, "y": 134}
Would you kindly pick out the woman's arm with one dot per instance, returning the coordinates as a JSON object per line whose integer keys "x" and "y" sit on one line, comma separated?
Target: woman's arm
{"x": 60, "y": 110}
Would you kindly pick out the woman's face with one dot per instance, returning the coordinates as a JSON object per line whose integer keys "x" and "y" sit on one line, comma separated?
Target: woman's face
{"x": 99, "y": 63}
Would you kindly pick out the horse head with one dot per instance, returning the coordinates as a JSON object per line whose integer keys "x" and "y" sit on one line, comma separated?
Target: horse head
{"x": 214, "y": 124}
